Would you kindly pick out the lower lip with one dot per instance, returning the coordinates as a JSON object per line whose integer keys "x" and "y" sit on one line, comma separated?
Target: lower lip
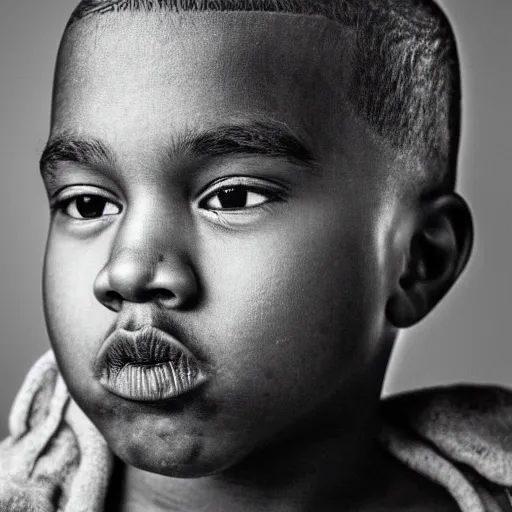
{"x": 153, "y": 382}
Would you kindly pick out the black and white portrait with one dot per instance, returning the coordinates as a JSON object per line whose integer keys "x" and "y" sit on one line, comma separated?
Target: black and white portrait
{"x": 255, "y": 256}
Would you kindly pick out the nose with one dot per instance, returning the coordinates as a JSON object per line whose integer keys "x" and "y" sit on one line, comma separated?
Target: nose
{"x": 138, "y": 275}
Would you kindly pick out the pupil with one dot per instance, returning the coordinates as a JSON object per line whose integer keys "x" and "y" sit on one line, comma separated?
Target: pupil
{"x": 233, "y": 197}
{"x": 90, "y": 207}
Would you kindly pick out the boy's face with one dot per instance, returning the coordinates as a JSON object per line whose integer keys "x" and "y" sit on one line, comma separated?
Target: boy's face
{"x": 272, "y": 272}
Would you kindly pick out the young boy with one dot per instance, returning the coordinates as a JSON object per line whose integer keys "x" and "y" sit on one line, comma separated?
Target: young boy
{"x": 249, "y": 199}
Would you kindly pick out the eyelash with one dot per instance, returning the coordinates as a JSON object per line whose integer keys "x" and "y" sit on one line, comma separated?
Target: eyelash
{"x": 249, "y": 194}
{"x": 62, "y": 205}
{"x": 236, "y": 185}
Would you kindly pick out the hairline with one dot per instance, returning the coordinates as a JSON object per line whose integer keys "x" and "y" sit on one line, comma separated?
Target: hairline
{"x": 426, "y": 124}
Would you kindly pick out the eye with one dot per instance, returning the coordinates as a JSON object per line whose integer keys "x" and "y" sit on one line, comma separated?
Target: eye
{"x": 234, "y": 198}
{"x": 89, "y": 206}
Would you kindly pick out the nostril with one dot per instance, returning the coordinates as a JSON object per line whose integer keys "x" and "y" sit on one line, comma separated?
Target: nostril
{"x": 164, "y": 297}
{"x": 113, "y": 300}
{"x": 163, "y": 294}
{"x": 112, "y": 296}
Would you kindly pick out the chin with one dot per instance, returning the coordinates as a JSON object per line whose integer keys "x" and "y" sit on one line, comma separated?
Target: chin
{"x": 171, "y": 466}
{"x": 166, "y": 453}
{"x": 172, "y": 469}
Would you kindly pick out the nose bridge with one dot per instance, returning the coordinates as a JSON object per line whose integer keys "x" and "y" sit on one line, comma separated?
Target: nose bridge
{"x": 149, "y": 231}
{"x": 148, "y": 258}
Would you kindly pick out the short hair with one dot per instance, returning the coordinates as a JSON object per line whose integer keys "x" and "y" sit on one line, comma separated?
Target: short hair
{"x": 406, "y": 84}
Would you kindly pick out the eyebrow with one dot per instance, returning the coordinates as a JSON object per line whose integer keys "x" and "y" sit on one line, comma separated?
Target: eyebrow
{"x": 87, "y": 152}
{"x": 271, "y": 139}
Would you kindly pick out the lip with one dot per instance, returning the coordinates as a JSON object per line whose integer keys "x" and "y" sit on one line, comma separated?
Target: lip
{"x": 147, "y": 364}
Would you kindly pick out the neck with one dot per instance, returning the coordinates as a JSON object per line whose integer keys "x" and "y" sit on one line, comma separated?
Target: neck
{"x": 314, "y": 485}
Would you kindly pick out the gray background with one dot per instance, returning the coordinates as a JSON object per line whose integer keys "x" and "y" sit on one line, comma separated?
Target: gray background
{"x": 466, "y": 339}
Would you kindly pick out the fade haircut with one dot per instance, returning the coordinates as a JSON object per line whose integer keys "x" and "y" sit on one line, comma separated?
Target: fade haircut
{"x": 406, "y": 83}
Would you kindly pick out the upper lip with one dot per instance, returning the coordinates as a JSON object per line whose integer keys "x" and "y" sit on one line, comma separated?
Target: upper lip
{"x": 146, "y": 345}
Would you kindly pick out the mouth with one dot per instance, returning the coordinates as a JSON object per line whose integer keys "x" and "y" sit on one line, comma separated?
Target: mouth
{"x": 147, "y": 365}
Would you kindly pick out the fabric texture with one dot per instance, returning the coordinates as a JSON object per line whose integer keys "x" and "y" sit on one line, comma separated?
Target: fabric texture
{"x": 55, "y": 460}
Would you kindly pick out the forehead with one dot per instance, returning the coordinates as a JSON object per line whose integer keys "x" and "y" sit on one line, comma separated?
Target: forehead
{"x": 140, "y": 75}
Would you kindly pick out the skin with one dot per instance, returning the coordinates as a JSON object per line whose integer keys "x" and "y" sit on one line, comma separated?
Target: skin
{"x": 286, "y": 303}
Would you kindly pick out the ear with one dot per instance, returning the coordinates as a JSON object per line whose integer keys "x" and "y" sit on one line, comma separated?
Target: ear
{"x": 439, "y": 248}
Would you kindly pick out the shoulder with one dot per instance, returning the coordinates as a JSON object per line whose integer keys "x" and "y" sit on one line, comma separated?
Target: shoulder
{"x": 470, "y": 423}
{"x": 459, "y": 436}
{"x": 54, "y": 456}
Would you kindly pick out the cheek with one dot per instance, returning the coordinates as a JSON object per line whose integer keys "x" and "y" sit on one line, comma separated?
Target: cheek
{"x": 76, "y": 320}
{"x": 291, "y": 314}
{"x": 315, "y": 273}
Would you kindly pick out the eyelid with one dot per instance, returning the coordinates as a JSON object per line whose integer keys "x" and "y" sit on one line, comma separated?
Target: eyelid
{"x": 259, "y": 185}
{"x": 70, "y": 192}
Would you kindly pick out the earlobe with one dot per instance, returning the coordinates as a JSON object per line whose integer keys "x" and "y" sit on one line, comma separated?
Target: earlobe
{"x": 438, "y": 251}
